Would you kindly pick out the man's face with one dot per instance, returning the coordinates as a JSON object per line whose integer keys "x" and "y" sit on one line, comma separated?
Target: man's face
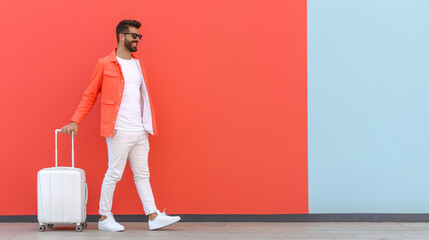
{"x": 131, "y": 43}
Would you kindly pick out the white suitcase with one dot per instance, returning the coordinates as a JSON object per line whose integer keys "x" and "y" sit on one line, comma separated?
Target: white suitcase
{"x": 62, "y": 194}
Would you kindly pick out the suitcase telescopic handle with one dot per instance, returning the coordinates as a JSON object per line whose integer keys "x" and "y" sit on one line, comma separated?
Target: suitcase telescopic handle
{"x": 56, "y": 147}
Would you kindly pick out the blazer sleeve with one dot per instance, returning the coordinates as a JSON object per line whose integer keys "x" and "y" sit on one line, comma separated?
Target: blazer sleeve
{"x": 90, "y": 95}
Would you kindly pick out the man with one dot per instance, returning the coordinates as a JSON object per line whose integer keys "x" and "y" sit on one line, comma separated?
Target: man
{"x": 126, "y": 121}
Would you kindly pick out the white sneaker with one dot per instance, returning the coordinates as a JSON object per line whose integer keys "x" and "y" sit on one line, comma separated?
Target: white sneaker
{"x": 162, "y": 220}
{"x": 109, "y": 224}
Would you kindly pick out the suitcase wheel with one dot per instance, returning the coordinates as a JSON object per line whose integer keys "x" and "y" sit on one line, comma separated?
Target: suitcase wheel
{"x": 42, "y": 228}
{"x": 79, "y": 228}
{"x": 49, "y": 225}
{"x": 84, "y": 225}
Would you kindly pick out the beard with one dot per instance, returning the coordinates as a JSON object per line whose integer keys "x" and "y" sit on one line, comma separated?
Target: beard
{"x": 128, "y": 46}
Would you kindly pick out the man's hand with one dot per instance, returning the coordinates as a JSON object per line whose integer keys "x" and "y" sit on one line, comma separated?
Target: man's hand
{"x": 69, "y": 128}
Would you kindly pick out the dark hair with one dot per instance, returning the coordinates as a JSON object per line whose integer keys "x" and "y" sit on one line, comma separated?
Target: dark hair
{"x": 123, "y": 26}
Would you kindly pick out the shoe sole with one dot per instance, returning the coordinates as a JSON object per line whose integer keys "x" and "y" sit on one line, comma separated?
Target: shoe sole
{"x": 165, "y": 225}
{"x": 110, "y": 230}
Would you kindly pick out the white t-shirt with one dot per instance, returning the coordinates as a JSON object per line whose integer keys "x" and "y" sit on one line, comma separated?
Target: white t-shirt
{"x": 130, "y": 112}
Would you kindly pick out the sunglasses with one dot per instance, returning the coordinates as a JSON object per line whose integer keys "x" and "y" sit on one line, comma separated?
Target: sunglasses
{"x": 135, "y": 35}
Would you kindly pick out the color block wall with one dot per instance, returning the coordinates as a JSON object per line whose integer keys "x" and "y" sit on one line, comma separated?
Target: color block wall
{"x": 263, "y": 107}
{"x": 368, "y": 112}
{"x": 228, "y": 81}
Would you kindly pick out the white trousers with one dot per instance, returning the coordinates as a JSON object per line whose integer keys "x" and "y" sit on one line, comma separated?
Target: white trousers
{"x": 134, "y": 146}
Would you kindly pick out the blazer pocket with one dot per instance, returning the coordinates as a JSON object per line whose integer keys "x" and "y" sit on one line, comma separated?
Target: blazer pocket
{"x": 110, "y": 79}
{"x": 111, "y": 73}
{"x": 107, "y": 108}
{"x": 108, "y": 101}
{"x": 110, "y": 85}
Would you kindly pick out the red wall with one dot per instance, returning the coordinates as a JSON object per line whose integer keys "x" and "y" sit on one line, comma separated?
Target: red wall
{"x": 228, "y": 81}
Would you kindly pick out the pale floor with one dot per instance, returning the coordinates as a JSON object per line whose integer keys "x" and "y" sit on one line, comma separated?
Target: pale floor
{"x": 224, "y": 231}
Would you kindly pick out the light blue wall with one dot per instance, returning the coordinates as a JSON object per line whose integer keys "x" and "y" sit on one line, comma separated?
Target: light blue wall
{"x": 368, "y": 106}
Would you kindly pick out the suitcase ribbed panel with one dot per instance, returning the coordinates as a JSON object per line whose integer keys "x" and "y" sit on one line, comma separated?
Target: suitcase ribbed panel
{"x": 61, "y": 195}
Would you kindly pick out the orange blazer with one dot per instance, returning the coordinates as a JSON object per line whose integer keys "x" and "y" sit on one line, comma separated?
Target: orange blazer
{"x": 109, "y": 80}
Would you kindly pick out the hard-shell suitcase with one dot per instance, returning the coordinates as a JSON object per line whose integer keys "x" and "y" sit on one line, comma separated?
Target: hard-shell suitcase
{"x": 62, "y": 194}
